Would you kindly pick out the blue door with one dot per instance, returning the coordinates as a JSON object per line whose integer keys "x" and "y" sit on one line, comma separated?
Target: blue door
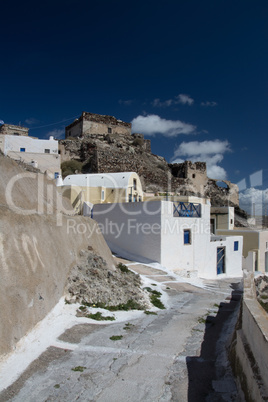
{"x": 220, "y": 260}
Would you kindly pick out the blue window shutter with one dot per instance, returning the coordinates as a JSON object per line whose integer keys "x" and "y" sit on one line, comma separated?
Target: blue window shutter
{"x": 187, "y": 237}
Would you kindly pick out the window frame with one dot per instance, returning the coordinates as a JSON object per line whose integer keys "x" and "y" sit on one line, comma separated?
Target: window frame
{"x": 236, "y": 245}
{"x": 187, "y": 232}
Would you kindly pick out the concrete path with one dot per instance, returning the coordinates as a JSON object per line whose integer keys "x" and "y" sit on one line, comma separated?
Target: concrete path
{"x": 177, "y": 354}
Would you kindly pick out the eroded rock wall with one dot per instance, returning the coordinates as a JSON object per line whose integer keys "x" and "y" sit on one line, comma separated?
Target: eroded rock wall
{"x": 118, "y": 153}
{"x": 38, "y": 247}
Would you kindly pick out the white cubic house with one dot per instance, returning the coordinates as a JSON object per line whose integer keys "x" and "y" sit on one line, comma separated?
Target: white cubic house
{"x": 176, "y": 235}
{"x": 42, "y": 154}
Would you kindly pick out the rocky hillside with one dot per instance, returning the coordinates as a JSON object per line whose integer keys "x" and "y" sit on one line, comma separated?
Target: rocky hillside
{"x": 92, "y": 282}
{"x": 97, "y": 153}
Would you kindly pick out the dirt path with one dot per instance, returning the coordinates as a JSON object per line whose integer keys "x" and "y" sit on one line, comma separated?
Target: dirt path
{"x": 176, "y": 355}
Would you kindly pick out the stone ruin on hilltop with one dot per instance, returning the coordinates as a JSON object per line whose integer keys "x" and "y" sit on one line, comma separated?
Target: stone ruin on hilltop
{"x": 103, "y": 144}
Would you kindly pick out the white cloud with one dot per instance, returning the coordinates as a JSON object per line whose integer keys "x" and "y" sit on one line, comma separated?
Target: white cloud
{"x": 184, "y": 99}
{"x": 210, "y": 152}
{"x": 204, "y": 147}
{"x": 56, "y": 133}
{"x": 153, "y": 124}
{"x": 31, "y": 121}
{"x": 157, "y": 103}
{"x": 254, "y": 200}
{"x": 216, "y": 172}
{"x": 127, "y": 102}
{"x": 181, "y": 98}
{"x": 209, "y": 104}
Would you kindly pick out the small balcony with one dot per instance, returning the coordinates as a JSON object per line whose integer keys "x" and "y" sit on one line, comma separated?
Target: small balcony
{"x": 186, "y": 210}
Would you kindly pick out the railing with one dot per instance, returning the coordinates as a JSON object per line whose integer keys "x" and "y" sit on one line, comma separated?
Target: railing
{"x": 187, "y": 210}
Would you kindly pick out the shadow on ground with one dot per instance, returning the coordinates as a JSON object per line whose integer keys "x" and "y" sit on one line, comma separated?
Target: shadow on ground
{"x": 207, "y": 373}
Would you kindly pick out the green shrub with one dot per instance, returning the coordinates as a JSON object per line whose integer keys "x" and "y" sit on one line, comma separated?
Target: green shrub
{"x": 123, "y": 268}
{"x": 128, "y": 326}
{"x": 155, "y": 300}
{"x": 138, "y": 142}
{"x": 71, "y": 167}
{"x": 129, "y": 305}
{"x": 79, "y": 368}
{"x": 116, "y": 337}
{"x": 99, "y": 317}
{"x": 148, "y": 289}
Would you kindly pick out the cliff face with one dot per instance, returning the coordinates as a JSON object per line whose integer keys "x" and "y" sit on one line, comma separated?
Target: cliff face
{"x": 99, "y": 153}
{"x": 38, "y": 247}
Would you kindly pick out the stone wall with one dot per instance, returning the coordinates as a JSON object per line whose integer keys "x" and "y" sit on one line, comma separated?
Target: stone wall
{"x": 108, "y": 153}
{"x": 10, "y": 129}
{"x": 230, "y": 193}
{"x": 91, "y": 123}
{"x": 249, "y": 350}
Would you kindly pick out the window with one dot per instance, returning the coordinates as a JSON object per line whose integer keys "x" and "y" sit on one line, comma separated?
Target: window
{"x": 212, "y": 225}
{"x": 102, "y": 195}
{"x": 47, "y": 151}
{"x": 109, "y": 130}
{"x": 231, "y": 221}
{"x": 193, "y": 175}
{"x": 134, "y": 184}
{"x": 187, "y": 236}
{"x": 236, "y": 243}
{"x": 220, "y": 260}
{"x": 129, "y": 198}
{"x": 22, "y": 149}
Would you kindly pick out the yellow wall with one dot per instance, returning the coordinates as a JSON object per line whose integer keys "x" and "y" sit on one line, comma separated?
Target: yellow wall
{"x": 78, "y": 195}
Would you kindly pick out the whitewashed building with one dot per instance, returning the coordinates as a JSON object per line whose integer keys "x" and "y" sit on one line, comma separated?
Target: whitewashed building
{"x": 42, "y": 154}
{"x": 255, "y": 241}
{"x": 255, "y": 247}
{"x": 96, "y": 188}
{"x": 176, "y": 235}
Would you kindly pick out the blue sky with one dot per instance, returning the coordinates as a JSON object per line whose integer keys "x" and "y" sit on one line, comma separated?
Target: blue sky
{"x": 191, "y": 75}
